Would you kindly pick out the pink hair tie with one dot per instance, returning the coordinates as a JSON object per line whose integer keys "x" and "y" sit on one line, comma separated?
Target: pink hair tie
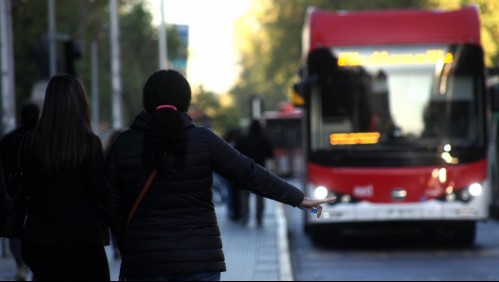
{"x": 166, "y": 106}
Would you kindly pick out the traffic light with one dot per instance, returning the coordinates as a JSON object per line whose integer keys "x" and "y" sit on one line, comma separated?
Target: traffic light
{"x": 40, "y": 55}
{"x": 72, "y": 51}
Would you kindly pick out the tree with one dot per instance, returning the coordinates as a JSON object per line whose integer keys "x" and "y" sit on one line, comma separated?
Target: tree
{"x": 489, "y": 17}
{"x": 84, "y": 22}
{"x": 207, "y": 110}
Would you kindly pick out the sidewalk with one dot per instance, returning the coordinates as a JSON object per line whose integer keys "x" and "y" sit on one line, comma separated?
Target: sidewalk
{"x": 251, "y": 253}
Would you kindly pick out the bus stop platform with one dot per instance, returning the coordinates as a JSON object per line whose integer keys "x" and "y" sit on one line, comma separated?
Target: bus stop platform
{"x": 251, "y": 253}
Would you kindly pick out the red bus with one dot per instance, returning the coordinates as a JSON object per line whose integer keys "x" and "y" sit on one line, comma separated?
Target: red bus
{"x": 396, "y": 120}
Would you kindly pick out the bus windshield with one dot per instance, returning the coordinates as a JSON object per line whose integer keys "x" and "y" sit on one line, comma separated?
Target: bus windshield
{"x": 396, "y": 98}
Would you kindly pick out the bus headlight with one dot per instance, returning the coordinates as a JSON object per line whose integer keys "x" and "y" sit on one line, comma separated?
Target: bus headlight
{"x": 321, "y": 192}
{"x": 346, "y": 198}
{"x": 464, "y": 195}
{"x": 475, "y": 189}
{"x": 450, "y": 197}
{"x": 472, "y": 191}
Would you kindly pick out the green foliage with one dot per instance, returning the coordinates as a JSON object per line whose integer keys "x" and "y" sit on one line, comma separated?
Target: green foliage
{"x": 489, "y": 17}
{"x": 227, "y": 118}
{"x": 139, "y": 56}
{"x": 207, "y": 110}
{"x": 88, "y": 21}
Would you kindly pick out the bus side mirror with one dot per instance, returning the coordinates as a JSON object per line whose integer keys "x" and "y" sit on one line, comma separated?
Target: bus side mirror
{"x": 297, "y": 98}
{"x": 301, "y": 91}
{"x": 493, "y": 88}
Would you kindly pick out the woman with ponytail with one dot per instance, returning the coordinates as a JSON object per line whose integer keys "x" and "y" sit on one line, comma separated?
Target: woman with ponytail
{"x": 173, "y": 234}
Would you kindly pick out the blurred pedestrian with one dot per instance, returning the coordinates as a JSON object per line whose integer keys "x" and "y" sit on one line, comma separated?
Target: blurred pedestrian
{"x": 9, "y": 150}
{"x": 114, "y": 135}
{"x": 174, "y": 234}
{"x": 56, "y": 214}
{"x": 257, "y": 146}
{"x": 234, "y": 197}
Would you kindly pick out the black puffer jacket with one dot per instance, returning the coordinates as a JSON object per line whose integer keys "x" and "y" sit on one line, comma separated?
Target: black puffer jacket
{"x": 62, "y": 209}
{"x": 4, "y": 202}
{"x": 175, "y": 228}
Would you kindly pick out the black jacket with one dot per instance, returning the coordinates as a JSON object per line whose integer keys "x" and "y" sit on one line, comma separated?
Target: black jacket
{"x": 8, "y": 152}
{"x": 4, "y": 202}
{"x": 257, "y": 147}
{"x": 60, "y": 210}
{"x": 175, "y": 228}
{"x": 9, "y": 149}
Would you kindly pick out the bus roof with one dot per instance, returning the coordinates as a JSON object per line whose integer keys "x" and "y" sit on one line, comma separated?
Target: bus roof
{"x": 379, "y": 27}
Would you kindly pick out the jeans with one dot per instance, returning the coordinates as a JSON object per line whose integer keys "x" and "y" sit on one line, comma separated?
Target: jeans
{"x": 200, "y": 276}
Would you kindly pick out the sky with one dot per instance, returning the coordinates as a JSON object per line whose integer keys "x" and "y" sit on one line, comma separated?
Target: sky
{"x": 212, "y": 59}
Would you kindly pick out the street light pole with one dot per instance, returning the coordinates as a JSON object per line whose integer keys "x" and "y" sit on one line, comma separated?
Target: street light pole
{"x": 51, "y": 38}
{"x": 115, "y": 68}
{"x": 163, "y": 48}
{"x": 8, "y": 92}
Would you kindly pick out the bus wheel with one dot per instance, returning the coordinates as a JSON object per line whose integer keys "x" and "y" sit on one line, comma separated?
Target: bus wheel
{"x": 324, "y": 235}
{"x": 465, "y": 233}
{"x": 461, "y": 233}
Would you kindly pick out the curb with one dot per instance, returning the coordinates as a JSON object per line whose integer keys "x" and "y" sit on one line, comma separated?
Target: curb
{"x": 286, "y": 274}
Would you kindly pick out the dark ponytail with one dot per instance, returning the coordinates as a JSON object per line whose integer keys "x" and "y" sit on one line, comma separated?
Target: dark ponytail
{"x": 166, "y": 97}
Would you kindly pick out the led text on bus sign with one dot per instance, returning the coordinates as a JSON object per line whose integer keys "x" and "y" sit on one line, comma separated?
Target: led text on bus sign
{"x": 385, "y": 58}
{"x": 354, "y": 138}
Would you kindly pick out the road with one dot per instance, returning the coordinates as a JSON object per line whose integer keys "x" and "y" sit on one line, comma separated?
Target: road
{"x": 392, "y": 257}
